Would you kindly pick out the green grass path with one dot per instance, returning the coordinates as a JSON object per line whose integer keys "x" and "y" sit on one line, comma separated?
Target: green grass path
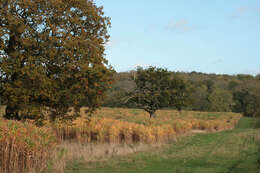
{"x": 233, "y": 151}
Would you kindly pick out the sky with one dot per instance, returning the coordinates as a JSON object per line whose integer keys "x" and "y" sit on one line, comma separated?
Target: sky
{"x": 209, "y": 36}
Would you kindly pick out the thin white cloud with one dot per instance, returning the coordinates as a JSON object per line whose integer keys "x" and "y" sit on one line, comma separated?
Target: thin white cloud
{"x": 241, "y": 11}
{"x": 179, "y": 25}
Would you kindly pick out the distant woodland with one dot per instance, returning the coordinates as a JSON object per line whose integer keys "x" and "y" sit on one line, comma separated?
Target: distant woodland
{"x": 206, "y": 92}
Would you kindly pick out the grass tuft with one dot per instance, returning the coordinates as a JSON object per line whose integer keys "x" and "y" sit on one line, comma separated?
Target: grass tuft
{"x": 24, "y": 147}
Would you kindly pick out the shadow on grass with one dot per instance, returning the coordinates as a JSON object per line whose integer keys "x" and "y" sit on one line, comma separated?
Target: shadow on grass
{"x": 248, "y": 123}
{"x": 257, "y": 125}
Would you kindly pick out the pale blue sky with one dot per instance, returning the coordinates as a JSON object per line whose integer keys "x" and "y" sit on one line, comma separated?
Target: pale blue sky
{"x": 211, "y": 36}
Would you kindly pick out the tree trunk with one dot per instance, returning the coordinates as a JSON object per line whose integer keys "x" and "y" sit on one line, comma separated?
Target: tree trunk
{"x": 11, "y": 112}
{"x": 152, "y": 114}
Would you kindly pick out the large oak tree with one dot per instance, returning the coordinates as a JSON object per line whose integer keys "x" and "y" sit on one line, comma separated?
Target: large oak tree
{"x": 52, "y": 56}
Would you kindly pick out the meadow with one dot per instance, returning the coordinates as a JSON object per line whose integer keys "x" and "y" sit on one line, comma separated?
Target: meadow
{"x": 231, "y": 151}
{"x": 112, "y": 134}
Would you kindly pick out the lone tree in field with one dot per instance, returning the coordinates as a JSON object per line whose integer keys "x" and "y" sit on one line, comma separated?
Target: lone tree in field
{"x": 157, "y": 88}
{"x": 52, "y": 56}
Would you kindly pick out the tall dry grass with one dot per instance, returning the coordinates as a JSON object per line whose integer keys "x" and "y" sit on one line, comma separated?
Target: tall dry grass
{"x": 109, "y": 130}
{"x": 24, "y": 148}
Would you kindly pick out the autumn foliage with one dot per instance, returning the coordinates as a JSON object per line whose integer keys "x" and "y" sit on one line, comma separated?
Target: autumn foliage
{"x": 52, "y": 56}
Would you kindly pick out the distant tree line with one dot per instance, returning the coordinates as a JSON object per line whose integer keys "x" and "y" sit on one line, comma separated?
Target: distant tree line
{"x": 205, "y": 92}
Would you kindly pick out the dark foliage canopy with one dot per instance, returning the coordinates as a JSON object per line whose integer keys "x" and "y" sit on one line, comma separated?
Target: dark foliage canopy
{"x": 157, "y": 88}
{"x": 245, "y": 102}
{"x": 52, "y": 56}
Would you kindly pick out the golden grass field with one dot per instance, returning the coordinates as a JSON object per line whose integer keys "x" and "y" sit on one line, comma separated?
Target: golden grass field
{"x": 110, "y": 130}
{"x": 119, "y": 125}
